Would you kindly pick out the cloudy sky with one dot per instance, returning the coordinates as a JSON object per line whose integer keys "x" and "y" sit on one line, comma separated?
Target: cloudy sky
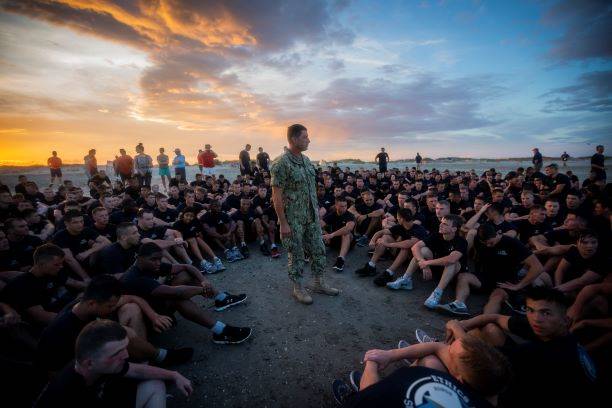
{"x": 445, "y": 78}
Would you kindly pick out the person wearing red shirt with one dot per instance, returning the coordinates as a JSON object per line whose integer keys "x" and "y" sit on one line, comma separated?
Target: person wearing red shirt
{"x": 55, "y": 166}
{"x": 206, "y": 159}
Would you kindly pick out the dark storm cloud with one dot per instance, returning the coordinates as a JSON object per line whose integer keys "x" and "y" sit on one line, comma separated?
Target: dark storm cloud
{"x": 592, "y": 92}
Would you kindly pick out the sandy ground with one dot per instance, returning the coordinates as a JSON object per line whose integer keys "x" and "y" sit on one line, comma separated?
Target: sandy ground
{"x": 296, "y": 350}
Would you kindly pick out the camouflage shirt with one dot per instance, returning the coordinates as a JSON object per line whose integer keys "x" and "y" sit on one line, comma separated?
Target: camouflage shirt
{"x": 296, "y": 176}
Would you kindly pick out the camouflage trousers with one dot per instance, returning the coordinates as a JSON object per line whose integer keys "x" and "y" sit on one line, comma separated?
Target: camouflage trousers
{"x": 305, "y": 240}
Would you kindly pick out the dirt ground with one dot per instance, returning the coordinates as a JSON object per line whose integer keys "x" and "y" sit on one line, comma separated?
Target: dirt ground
{"x": 296, "y": 350}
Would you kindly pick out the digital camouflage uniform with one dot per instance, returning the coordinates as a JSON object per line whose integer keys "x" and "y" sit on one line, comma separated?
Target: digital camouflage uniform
{"x": 296, "y": 176}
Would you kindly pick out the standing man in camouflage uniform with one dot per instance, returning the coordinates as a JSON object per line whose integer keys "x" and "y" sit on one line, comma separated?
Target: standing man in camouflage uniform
{"x": 295, "y": 202}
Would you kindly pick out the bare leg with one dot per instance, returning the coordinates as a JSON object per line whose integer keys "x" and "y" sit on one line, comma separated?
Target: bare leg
{"x": 380, "y": 249}
{"x": 494, "y": 304}
{"x": 151, "y": 394}
{"x": 375, "y": 225}
{"x": 401, "y": 257}
{"x": 204, "y": 246}
{"x": 369, "y": 377}
{"x": 130, "y": 315}
{"x": 194, "y": 313}
{"x": 448, "y": 274}
{"x": 193, "y": 245}
{"x": 240, "y": 231}
{"x": 464, "y": 281}
{"x": 169, "y": 257}
{"x": 182, "y": 254}
{"x": 345, "y": 245}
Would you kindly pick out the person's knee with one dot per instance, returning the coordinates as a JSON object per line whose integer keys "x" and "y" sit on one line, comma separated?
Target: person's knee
{"x": 149, "y": 388}
{"x": 130, "y": 332}
{"x": 426, "y": 252}
{"x": 130, "y": 311}
{"x": 491, "y": 329}
{"x": 498, "y": 295}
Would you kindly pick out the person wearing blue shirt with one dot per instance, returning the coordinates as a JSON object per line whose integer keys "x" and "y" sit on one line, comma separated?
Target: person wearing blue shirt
{"x": 179, "y": 165}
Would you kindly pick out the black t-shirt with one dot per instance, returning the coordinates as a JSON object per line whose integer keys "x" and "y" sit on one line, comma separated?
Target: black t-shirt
{"x": 56, "y": 344}
{"x": 262, "y": 160}
{"x": 76, "y": 243}
{"x": 441, "y": 247}
{"x": 247, "y": 217}
{"x": 117, "y": 217}
{"x": 216, "y": 220}
{"x": 26, "y": 290}
{"x": 560, "y": 179}
{"x": 115, "y": 259}
{"x": 597, "y": 159}
{"x": 416, "y": 231}
{"x": 326, "y": 201}
{"x": 157, "y": 232}
{"x": 598, "y": 263}
{"x": 503, "y": 226}
{"x": 501, "y": 262}
{"x": 562, "y": 236}
{"x": 334, "y": 221}
{"x": 555, "y": 373}
{"x": 363, "y": 209}
{"x": 416, "y": 387}
{"x": 232, "y": 201}
{"x": 382, "y": 158}
{"x": 196, "y": 206}
{"x": 554, "y": 222}
{"x": 175, "y": 201}
{"x": 245, "y": 159}
{"x": 109, "y": 231}
{"x": 190, "y": 230}
{"x": 265, "y": 204}
{"x": 141, "y": 283}
{"x": 69, "y": 390}
{"x": 527, "y": 230}
{"x": 168, "y": 216}
{"x": 22, "y": 251}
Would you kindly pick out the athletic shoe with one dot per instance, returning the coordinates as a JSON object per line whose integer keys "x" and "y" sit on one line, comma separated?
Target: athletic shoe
{"x": 403, "y": 344}
{"x": 236, "y": 254}
{"x": 230, "y": 256}
{"x": 275, "y": 252}
{"x": 244, "y": 251}
{"x": 219, "y": 265}
{"x": 339, "y": 265}
{"x": 207, "y": 267}
{"x": 341, "y": 391}
{"x": 363, "y": 241}
{"x": 400, "y": 284}
{"x": 177, "y": 357}
{"x": 229, "y": 301}
{"x": 423, "y": 337}
{"x": 453, "y": 308}
{"x": 232, "y": 335}
{"x": 383, "y": 278}
{"x": 264, "y": 249}
{"x": 516, "y": 302}
{"x": 355, "y": 379}
{"x": 433, "y": 300}
{"x": 367, "y": 270}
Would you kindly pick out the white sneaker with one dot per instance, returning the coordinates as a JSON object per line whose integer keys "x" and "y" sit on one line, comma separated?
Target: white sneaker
{"x": 400, "y": 283}
{"x": 433, "y": 300}
{"x": 423, "y": 337}
{"x": 206, "y": 266}
{"x": 403, "y": 344}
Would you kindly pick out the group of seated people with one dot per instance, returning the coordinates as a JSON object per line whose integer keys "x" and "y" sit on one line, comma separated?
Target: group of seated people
{"x": 86, "y": 280}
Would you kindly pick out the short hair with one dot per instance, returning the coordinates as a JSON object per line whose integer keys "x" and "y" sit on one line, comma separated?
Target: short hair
{"x": 102, "y": 288}
{"x": 488, "y": 371}
{"x": 71, "y": 215}
{"x": 46, "y": 252}
{"x": 444, "y": 203}
{"x": 143, "y": 211}
{"x": 10, "y": 223}
{"x": 549, "y": 294}
{"x": 340, "y": 200}
{"x": 587, "y": 233}
{"x": 294, "y": 131}
{"x": 123, "y": 228}
{"x": 148, "y": 249}
{"x": 405, "y": 213}
{"x": 536, "y": 207}
{"x": 574, "y": 192}
{"x": 497, "y": 207}
{"x": 159, "y": 196}
{"x": 96, "y": 335}
{"x": 98, "y": 209}
{"x": 456, "y": 220}
{"x": 486, "y": 231}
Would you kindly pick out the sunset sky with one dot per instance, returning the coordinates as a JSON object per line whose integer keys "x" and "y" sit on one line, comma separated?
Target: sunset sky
{"x": 445, "y": 78}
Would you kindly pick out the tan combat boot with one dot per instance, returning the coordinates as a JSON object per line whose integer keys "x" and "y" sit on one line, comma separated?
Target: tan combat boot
{"x": 301, "y": 295}
{"x": 317, "y": 286}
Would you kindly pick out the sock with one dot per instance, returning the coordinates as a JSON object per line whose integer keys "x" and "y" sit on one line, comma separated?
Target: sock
{"x": 389, "y": 271}
{"x": 243, "y": 243}
{"x": 459, "y": 303}
{"x": 161, "y": 355}
{"x": 218, "y": 327}
{"x": 372, "y": 264}
{"x": 221, "y": 296}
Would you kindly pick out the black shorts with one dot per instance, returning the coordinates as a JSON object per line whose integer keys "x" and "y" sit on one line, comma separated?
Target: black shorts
{"x": 56, "y": 172}
{"x": 120, "y": 392}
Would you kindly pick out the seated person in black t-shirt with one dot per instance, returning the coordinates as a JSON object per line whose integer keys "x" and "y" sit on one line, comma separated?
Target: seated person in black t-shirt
{"x": 163, "y": 212}
{"x": 191, "y": 229}
{"x": 521, "y": 212}
{"x": 338, "y": 226}
{"x": 262, "y": 203}
{"x": 21, "y": 244}
{"x": 444, "y": 250}
{"x": 101, "y": 224}
{"x": 232, "y": 202}
{"x": 101, "y": 300}
{"x": 78, "y": 243}
{"x": 499, "y": 259}
{"x": 554, "y": 217}
{"x": 532, "y": 225}
{"x": 582, "y": 265}
{"x": 169, "y": 240}
{"x": 468, "y": 372}
{"x": 116, "y": 258}
{"x": 183, "y": 283}
{"x": 248, "y": 227}
{"x": 221, "y": 229}
{"x": 190, "y": 202}
{"x": 399, "y": 238}
{"x": 38, "y": 226}
{"x": 101, "y": 375}
{"x": 325, "y": 201}
{"x": 390, "y": 217}
{"x": 591, "y": 318}
{"x": 39, "y": 294}
{"x": 368, "y": 216}
{"x": 551, "y": 369}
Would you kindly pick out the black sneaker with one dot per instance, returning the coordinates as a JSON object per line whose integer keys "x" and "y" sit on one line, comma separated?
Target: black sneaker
{"x": 383, "y": 278}
{"x": 244, "y": 250}
{"x": 367, "y": 270}
{"x": 355, "y": 379}
{"x": 516, "y": 302}
{"x": 339, "y": 265}
{"x": 229, "y": 301}
{"x": 177, "y": 357}
{"x": 341, "y": 391}
{"x": 264, "y": 249}
{"x": 232, "y": 335}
